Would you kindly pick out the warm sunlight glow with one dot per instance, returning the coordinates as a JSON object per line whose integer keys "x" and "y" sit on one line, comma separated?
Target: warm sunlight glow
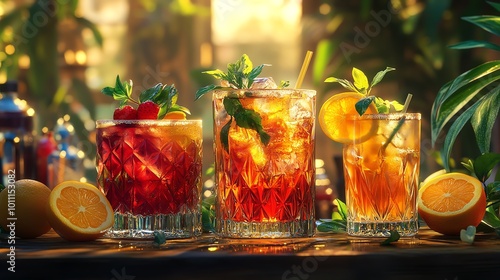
{"x": 24, "y": 62}
{"x": 255, "y": 21}
{"x": 81, "y": 57}
{"x": 10, "y": 49}
{"x": 325, "y": 9}
{"x": 30, "y": 112}
{"x": 69, "y": 57}
{"x": 206, "y": 58}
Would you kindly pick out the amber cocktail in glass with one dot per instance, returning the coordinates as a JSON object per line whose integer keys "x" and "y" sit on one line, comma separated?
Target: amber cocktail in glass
{"x": 265, "y": 190}
{"x": 150, "y": 171}
{"x": 381, "y": 170}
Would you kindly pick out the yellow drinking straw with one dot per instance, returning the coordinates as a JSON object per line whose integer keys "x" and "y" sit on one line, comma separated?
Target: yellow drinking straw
{"x": 303, "y": 70}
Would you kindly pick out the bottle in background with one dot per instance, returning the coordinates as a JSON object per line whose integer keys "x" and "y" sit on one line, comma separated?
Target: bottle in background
{"x": 17, "y": 152}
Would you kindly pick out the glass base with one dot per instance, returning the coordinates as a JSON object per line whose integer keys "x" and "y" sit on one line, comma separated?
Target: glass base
{"x": 382, "y": 229}
{"x": 172, "y": 225}
{"x": 232, "y": 229}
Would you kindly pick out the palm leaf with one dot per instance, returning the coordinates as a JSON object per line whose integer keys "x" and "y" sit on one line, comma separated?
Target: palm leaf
{"x": 484, "y": 119}
{"x": 488, "y": 23}
{"x": 453, "y": 132}
{"x": 454, "y": 95}
{"x": 475, "y": 44}
{"x": 494, "y": 5}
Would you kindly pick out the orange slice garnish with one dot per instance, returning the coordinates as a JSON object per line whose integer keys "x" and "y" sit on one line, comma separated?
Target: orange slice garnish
{"x": 336, "y": 118}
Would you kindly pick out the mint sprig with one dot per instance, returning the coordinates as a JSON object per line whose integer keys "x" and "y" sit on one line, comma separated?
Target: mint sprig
{"x": 239, "y": 75}
{"x": 362, "y": 86}
{"x": 162, "y": 94}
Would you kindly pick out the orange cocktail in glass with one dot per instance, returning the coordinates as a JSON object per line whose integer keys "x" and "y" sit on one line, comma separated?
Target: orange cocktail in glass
{"x": 265, "y": 189}
{"x": 381, "y": 169}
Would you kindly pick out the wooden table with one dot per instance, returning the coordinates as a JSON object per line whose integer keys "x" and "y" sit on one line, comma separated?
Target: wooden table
{"x": 325, "y": 256}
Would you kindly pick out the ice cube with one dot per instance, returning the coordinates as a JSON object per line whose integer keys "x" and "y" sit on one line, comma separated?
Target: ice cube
{"x": 400, "y": 132}
{"x": 264, "y": 83}
{"x": 301, "y": 109}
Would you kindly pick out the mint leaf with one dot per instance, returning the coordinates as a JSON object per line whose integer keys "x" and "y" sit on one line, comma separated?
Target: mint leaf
{"x": 121, "y": 92}
{"x": 159, "y": 238}
{"x": 334, "y": 226}
{"x": 202, "y": 91}
{"x": 232, "y": 105}
{"x": 392, "y": 238}
{"x": 363, "y": 104}
{"x": 345, "y": 83}
{"x": 150, "y": 93}
{"x": 284, "y": 84}
{"x": 383, "y": 106}
{"x": 341, "y": 209}
{"x": 109, "y": 91}
{"x": 254, "y": 74}
{"x": 218, "y": 74}
{"x": 379, "y": 76}
{"x": 247, "y": 118}
{"x": 360, "y": 80}
{"x": 397, "y": 106}
{"x": 119, "y": 87}
{"x": 264, "y": 137}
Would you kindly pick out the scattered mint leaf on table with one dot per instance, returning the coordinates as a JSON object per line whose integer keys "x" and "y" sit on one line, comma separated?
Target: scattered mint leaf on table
{"x": 159, "y": 238}
{"x": 392, "y": 238}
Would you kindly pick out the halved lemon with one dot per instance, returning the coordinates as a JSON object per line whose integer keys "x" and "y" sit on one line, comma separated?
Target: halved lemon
{"x": 79, "y": 211}
{"x": 335, "y": 118}
{"x": 451, "y": 202}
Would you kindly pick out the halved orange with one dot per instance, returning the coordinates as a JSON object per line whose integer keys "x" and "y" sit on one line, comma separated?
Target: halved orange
{"x": 79, "y": 211}
{"x": 335, "y": 118}
{"x": 451, "y": 202}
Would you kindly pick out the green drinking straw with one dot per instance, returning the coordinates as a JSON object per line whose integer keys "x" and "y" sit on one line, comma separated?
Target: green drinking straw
{"x": 400, "y": 123}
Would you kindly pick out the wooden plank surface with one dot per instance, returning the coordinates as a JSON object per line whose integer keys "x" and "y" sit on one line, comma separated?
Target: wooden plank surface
{"x": 333, "y": 256}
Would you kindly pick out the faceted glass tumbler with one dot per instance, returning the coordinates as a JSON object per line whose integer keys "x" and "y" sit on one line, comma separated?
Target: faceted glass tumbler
{"x": 381, "y": 171}
{"x": 265, "y": 179}
{"x": 151, "y": 172}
